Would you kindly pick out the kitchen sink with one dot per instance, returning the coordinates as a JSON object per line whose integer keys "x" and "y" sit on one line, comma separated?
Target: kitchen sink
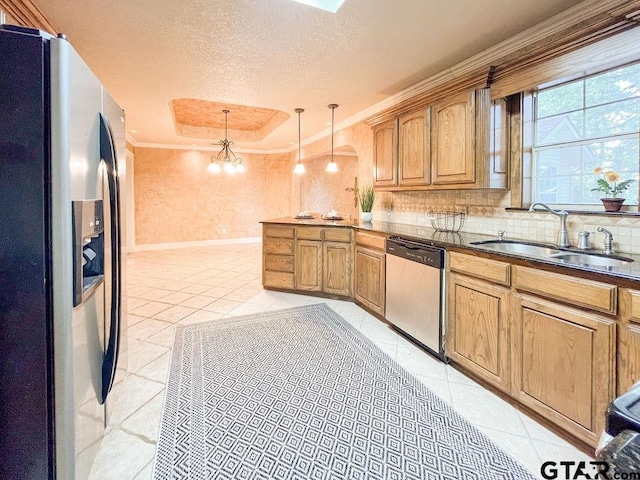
{"x": 589, "y": 259}
{"x": 571, "y": 257}
{"x": 509, "y": 246}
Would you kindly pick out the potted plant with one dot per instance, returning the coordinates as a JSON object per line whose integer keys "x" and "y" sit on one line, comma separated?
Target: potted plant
{"x": 609, "y": 183}
{"x": 366, "y": 197}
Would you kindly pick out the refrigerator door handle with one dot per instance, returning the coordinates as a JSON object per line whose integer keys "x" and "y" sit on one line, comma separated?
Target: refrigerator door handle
{"x": 108, "y": 154}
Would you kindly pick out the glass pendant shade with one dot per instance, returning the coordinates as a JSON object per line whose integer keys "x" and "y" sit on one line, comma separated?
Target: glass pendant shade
{"x": 332, "y": 167}
{"x": 299, "y": 168}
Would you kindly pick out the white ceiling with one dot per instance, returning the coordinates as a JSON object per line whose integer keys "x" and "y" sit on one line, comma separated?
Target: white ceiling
{"x": 277, "y": 54}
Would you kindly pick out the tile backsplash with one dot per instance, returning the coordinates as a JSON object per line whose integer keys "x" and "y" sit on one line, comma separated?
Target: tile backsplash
{"x": 486, "y": 214}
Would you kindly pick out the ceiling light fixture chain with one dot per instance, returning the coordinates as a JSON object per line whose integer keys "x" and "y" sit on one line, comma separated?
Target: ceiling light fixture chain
{"x": 332, "y": 166}
{"x": 299, "y": 168}
{"x": 225, "y": 159}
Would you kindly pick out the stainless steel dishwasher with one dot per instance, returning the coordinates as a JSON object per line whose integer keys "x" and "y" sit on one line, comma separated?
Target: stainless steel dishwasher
{"x": 415, "y": 292}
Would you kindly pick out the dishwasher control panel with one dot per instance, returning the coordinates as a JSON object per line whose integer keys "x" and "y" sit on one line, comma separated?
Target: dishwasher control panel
{"x": 416, "y": 252}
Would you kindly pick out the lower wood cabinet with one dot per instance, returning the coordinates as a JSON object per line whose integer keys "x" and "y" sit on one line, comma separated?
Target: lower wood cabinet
{"x": 478, "y": 328}
{"x": 563, "y": 364}
{"x": 628, "y": 342}
{"x": 370, "y": 275}
{"x": 337, "y": 268}
{"x": 308, "y": 273}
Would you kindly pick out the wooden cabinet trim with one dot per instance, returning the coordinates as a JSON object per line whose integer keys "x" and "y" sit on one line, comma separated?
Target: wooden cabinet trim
{"x": 634, "y": 311}
{"x": 586, "y": 293}
{"x": 492, "y": 270}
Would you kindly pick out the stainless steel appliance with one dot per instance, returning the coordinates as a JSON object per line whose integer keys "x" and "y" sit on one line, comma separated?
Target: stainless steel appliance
{"x": 415, "y": 292}
{"x": 61, "y": 272}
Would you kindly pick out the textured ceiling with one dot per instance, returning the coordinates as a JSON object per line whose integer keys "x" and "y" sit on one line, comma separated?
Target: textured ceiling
{"x": 277, "y": 54}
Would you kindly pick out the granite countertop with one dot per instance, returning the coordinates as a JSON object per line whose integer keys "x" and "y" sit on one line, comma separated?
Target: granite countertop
{"x": 464, "y": 240}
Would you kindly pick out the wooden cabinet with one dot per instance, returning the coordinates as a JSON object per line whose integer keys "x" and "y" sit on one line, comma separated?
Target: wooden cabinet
{"x": 563, "y": 364}
{"x": 478, "y": 319}
{"x": 370, "y": 271}
{"x": 337, "y": 267}
{"x": 385, "y": 154}
{"x": 454, "y": 140}
{"x": 458, "y": 143}
{"x": 628, "y": 341}
{"x": 324, "y": 260}
{"x": 308, "y": 265}
{"x": 414, "y": 148}
{"x": 278, "y": 256}
{"x": 402, "y": 150}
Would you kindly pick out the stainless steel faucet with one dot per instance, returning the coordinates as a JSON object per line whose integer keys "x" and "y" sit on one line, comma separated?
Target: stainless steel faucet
{"x": 608, "y": 240}
{"x": 563, "y": 235}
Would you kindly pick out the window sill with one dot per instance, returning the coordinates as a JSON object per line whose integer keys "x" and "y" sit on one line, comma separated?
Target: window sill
{"x": 623, "y": 213}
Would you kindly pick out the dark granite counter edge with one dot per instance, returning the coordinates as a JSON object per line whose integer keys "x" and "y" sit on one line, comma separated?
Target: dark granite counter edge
{"x": 464, "y": 240}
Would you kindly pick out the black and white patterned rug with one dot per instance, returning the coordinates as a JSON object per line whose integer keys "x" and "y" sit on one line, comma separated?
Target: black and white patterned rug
{"x": 300, "y": 394}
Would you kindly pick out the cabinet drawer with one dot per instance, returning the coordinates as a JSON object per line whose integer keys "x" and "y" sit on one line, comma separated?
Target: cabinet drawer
{"x": 337, "y": 234}
{"x": 278, "y": 263}
{"x": 280, "y": 246}
{"x": 370, "y": 240}
{"x": 278, "y": 280}
{"x": 492, "y": 270}
{"x": 309, "y": 233}
{"x": 280, "y": 232}
{"x": 577, "y": 291}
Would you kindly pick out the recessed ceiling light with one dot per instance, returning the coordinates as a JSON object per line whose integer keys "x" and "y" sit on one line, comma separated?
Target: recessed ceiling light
{"x": 328, "y": 5}
{"x": 133, "y": 131}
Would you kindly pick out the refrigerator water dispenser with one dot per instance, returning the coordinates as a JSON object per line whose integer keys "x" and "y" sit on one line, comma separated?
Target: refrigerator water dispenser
{"x": 88, "y": 248}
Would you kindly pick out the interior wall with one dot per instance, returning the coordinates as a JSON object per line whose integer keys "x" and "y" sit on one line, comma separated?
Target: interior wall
{"x": 178, "y": 200}
{"x": 321, "y": 191}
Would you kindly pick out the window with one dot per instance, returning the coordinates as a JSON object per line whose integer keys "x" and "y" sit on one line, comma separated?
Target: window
{"x": 584, "y": 124}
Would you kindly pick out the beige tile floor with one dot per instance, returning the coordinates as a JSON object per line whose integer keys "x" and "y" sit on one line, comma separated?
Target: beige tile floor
{"x": 184, "y": 286}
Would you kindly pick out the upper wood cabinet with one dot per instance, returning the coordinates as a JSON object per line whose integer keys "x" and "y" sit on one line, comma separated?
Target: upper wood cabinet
{"x": 385, "y": 154}
{"x": 454, "y": 140}
{"x": 414, "y": 148}
{"x": 461, "y": 142}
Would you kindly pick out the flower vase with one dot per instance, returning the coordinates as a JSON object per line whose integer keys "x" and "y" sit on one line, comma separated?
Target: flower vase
{"x": 612, "y": 204}
{"x": 366, "y": 216}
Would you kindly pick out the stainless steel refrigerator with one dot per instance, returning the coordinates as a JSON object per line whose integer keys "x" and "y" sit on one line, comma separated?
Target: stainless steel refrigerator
{"x": 62, "y": 272}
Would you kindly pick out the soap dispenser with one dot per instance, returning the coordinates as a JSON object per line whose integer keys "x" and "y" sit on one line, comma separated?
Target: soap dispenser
{"x": 583, "y": 240}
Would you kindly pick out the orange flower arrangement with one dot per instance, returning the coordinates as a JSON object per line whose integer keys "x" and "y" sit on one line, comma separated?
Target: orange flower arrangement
{"x": 610, "y": 183}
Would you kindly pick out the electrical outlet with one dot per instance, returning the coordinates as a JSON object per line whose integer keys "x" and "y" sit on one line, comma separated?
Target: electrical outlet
{"x": 224, "y": 231}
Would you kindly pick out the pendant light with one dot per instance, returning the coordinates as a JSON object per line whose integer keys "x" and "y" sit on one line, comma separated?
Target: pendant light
{"x": 332, "y": 166}
{"x": 225, "y": 159}
{"x": 299, "y": 168}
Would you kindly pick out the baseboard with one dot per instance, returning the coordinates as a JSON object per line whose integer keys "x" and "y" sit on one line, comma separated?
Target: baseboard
{"x": 200, "y": 243}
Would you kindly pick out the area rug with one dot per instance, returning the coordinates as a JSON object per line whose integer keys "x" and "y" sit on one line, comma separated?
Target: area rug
{"x": 300, "y": 394}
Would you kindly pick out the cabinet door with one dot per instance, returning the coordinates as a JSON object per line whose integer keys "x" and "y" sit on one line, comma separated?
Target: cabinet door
{"x": 563, "y": 364}
{"x": 414, "y": 148}
{"x": 370, "y": 278}
{"x": 308, "y": 272}
{"x": 337, "y": 267}
{"x": 385, "y": 154}
{"x": 478, "y": 328}
{"x": 628, "y": 350}
{"x": 453, "y": 141}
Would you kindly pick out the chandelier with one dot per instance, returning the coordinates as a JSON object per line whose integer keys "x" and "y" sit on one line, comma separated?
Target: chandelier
{"x": 225, "y": 159}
